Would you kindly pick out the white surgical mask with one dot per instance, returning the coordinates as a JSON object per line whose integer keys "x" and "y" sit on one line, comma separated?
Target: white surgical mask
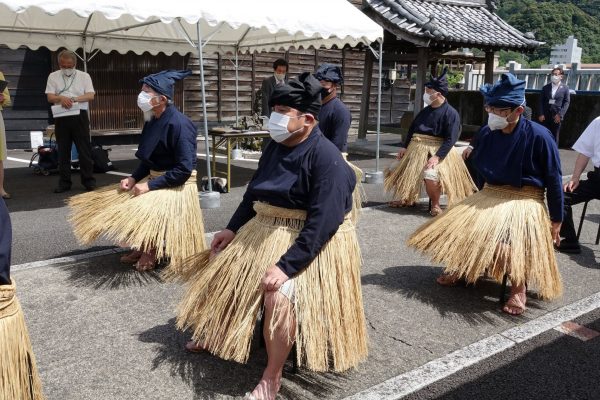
{"x": 427, "y": 98}
{"x": 278, "y": 127}
{"x": 555, "y": 78}
{"x": 497, "y": 122}
{"x": 68, "y": 71}
{"x": 279, "y": 77}
{"x": 143, "y": 101}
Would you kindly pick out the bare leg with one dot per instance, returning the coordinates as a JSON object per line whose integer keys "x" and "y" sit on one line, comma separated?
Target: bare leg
{"x": 434, "y": 191}
{"x": 518, "y": 291}
{"x": 278, "y": 345}
{"x": 147, "y": 261}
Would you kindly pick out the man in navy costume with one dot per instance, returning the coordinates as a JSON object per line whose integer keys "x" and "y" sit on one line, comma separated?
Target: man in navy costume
{"x": 334, "y": 117}
{"x": 505, "y": 228}
{"x": 303, "y": 181}
{"x": 427, "y": 154}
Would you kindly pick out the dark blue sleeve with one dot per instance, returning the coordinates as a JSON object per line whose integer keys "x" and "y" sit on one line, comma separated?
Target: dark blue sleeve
{"x": 566, "y": 101}
{"x": 329, "y": 193}
{"x": 244, "y": 213}
{"x": 140, "y": 172}
{"x": 451, "y": 131}
{"x": 341, "y": 125}
{"x": 553, "y": 176}
{"x": 410, "y": 133}
{"x": 5, "y": 244}
{"x": 184, "y": 148}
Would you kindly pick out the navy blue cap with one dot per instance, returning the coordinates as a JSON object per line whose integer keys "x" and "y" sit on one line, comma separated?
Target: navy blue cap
{"x": 440, "y": 83}
{"x": 509, "y": 91}
{"x": 330, "y": 73}
{"x": 302, "y": 93}
{"x": 164, "y": 81}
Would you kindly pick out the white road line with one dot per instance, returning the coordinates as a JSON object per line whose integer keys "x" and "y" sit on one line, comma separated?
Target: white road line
{"x": 20, "y": 160}
{"x": 402, "y": 385}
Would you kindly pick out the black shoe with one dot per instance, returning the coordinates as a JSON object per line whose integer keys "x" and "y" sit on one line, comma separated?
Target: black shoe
{"x": 569, "y": 247}
{"x": 61, "y": 189}
{"x": 89, "y": 188}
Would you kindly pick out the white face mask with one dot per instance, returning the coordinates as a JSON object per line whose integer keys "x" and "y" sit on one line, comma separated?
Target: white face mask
{"x": 143, "y": 101}
{"x": 555, "y": 78}
{"x": 497, "y": 122}
{"x": 68, "y": 71}
{"x": 427, "y": 98}
{"x": 279, "y": 77}
{"x": 278, "y": 126}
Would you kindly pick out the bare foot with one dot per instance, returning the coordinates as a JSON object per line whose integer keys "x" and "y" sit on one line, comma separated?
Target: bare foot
{"x": 266, "y": 389}
{"x": 400, "y": 204}
{"x": 516, "y": 302}
{"x": 131, "y": 258}
{"x": 448, "y": 280}
{"x": 435, "y": 211}
{"x": 195, "y": 347}
{"x": 146, "y": 262}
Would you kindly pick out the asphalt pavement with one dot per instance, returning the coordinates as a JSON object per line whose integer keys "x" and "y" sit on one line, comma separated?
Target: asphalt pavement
{"x": 101, "y": 330}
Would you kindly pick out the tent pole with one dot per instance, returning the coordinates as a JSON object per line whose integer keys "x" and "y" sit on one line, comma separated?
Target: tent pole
{"x": 379, "y": 104}
{"x": 206, "y": 142}
{"x": 237, "y": 68}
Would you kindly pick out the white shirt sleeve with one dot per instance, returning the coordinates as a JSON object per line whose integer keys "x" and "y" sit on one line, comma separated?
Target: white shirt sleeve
{"x": 51, "y": 85}
{"x": 586, "y": 142}
{"x": 88, "y": 87}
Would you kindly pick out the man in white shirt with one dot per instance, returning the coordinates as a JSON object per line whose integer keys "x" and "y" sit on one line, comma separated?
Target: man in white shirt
{"x": 588, "y": 147}
{"x": 72, "y": 89}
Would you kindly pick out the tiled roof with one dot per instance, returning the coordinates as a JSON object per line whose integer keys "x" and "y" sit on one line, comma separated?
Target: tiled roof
{"x": 452, "y": 22}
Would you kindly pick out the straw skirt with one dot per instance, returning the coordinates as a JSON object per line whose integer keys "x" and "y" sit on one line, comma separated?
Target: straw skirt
{"x": 19, "y": 378}
{"x": 501, "y": 229}
{"x": 168, "y": 220}
{"x": 224, "y": 297}
{"x": 3, "y": 152}
{"x": 404, "y": 181}
{"x": 359, "y": 196}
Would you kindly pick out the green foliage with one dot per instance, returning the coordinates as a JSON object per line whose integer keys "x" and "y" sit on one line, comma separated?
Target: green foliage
{"x": 454, "y": 79}
{"x": 553, "y": 21}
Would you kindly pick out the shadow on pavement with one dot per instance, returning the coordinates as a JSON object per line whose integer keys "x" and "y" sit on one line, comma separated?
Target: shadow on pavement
{"x": 211, "y": 376}
{"x": 470, "y": 303}
{"x": 109, "y": 274}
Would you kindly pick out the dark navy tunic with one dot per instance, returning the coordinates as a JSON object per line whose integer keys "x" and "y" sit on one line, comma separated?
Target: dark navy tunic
{"x": 5, "y": 244}
{"x": 442, "y": 121}
{"x": 526, "y": 157}
{"x": 311, "y": 176}
{"x": 334, "y": 122}
{"x": 167, "y": 144}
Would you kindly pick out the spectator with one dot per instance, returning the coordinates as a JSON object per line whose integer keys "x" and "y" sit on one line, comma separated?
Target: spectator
{"x": 554, "y": 102}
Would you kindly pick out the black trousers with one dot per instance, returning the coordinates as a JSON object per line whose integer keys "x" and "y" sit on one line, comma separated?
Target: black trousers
{"x": 587, "y": 190}
{"x": 552, "y": 126}
{"x": 5, "y": 244}
{"x": 69, "y": 130}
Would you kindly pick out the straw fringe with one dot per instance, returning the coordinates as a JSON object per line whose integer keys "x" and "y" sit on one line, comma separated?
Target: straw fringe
{"x": 404, "y": 182}
{"x": 500, "y": 229}
{"x": 168, "y": 220}
{"x": 224, "y": 297}
{"x": 359, "y": 196}
{"x": 19, "y": 378}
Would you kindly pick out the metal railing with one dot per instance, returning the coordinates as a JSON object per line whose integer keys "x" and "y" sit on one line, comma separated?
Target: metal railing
{"x": 576, "y": 78}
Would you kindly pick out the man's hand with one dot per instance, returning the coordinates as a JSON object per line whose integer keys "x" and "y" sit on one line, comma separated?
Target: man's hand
{"x": 555, "y": 230}
{"x": 571, "y": 185}
{"x": 557, "y": 119}
{"x": 273, "y": 279}
{"x": 140, "y": 189}
{"x": 432, "y": 162}
{"x": 467, "y": 152}
{"x": 127, "y": 183}
{"x": 220, "y": 241}
{"x": 66, "y": 102}
{"x": 400, "y": 153}
{"x": 541, "y": 118}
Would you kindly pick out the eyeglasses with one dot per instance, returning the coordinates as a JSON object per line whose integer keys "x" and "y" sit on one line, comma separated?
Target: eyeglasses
{"x": 502, "y": 112}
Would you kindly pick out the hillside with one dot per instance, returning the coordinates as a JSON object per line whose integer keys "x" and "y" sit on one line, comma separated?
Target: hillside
{"x": 552, "y": 22}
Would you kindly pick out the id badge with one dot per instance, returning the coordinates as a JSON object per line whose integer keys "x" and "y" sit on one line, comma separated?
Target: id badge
{"x": 551, "y": 101}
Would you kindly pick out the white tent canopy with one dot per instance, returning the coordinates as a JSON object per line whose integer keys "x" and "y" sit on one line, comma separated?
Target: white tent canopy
{"x": 169, "y": 25}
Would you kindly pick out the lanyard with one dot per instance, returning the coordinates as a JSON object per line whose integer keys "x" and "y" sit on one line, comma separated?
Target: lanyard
{"x": 72, "y": 77}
